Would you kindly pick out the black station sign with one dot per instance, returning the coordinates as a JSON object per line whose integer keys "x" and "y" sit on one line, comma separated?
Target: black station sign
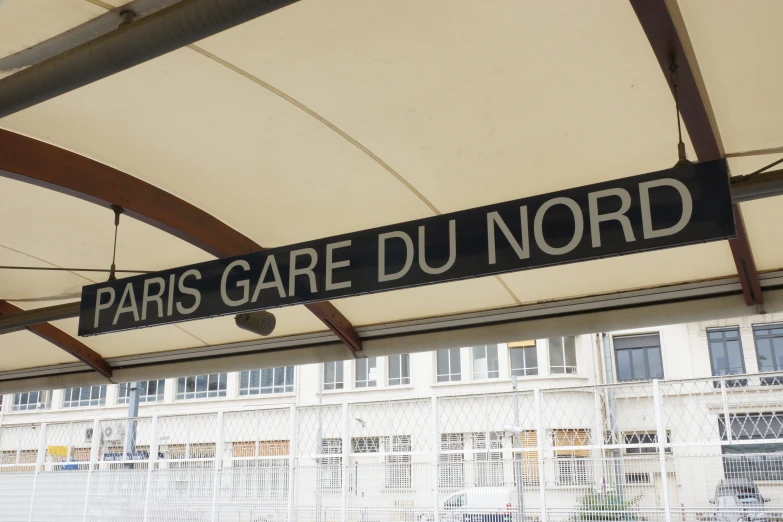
{"x": 680, "y": 206}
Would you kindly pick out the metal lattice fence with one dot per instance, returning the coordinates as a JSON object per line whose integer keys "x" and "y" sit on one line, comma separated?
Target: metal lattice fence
{"x": 692, "y": 450}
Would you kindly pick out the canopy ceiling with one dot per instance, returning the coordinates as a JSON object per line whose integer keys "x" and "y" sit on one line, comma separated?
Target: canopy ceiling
{"x": 327, "y": 117}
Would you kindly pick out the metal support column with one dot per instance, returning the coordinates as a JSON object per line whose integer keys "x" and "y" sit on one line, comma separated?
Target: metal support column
{"x": 540, "y": 436}
{"x": 292, "y": 452}
{"x": 517, "y": 455}
{"x": 95, "y": 448}
{"x": 218, "y": 467}
{"x": 151, "y": 467}
{"x": 40, "y": 462}
{"x": 435, "y": 458}
{"x": 345, "y": 464}
{"x": 130, "y": 435}
{"x": 661, "y": 433}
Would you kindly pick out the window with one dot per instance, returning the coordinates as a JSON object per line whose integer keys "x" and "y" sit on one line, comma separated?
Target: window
{"x": 485, "y": 362}
{"x": 726, "y": 355}
{"x": 333, "y": 375}
{"x": 366, "y": 372}
{"x": 562, "y": 354}
{"x": 399, "y": 369}
{"x": 332, "y": 467}
{"x": 85, "y": 396}
{"x": 573, "y": 466}
{"x": 449, "y": 367}
{"x": 524, "y": 358}
{"x": 638, "y": 357}
{"x": 195, "y": 464}
{"x": 644, "y": 437}
{"x": 365, "y": 445}
{"x": 769, "y": 351}
{"x": 451, "y": 464}
{"x": 398, "y": 467}
{"x": 264, "y": 477}
{"x": 201, "y": 386}
{"x": 149, "y": 391}
{"x": 753, "y": 461}
{"x": 18, "y": 461}
{"x": 489, "y": 463}
{"x": 637, "y": 478}
{"x": 528, "y": 467}
{"x": 266, "y": 381}
{"x": 40, "y": 400}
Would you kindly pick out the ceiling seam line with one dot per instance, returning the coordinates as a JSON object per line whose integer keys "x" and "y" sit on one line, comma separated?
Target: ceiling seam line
{"x": 312, "y": 113}
{"x": 339, "y": 131}
{"x": 99, "y": 3}
{"x": 47, "y": 262}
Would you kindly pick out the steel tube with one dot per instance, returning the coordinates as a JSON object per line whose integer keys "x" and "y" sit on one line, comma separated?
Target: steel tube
{"x": 131, "y": 44}
{"x": 17, "y": 321}
{"x": 758, "y": 186}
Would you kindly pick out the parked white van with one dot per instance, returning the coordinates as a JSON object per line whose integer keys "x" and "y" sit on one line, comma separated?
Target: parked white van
{"x": 479, "y": 505}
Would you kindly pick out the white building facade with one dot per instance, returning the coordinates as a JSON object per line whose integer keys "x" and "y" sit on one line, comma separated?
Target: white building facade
{"x": 636, "y": 417}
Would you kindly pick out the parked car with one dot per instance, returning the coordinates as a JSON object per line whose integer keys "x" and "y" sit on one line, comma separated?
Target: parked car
{"x": 478, "y": 505}
{"x": 739, "y": 500}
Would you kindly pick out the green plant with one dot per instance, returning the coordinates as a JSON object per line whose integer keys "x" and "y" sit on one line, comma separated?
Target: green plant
{"x": 597, "y": 507}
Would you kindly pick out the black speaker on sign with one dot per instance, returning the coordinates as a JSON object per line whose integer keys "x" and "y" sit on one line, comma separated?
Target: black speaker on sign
{"x": 261, "y": 323}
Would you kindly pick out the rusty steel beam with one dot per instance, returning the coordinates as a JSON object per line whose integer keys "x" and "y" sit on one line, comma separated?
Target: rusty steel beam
{"x": 44, "y": 165}
{"x": 664, "y": 27}
{"x": 60, "y": 339}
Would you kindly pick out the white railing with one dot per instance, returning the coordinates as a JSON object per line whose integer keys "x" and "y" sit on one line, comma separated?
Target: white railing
{"x": 630, "y": 451}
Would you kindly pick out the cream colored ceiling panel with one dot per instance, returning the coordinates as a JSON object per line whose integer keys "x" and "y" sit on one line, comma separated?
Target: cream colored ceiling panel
{"x": 738, "y": 48}
{"x": 220, "y": 141}
{"x": 26, "y": 350}
{"x": 763, "y": 220}
{"x": 59, "y": 230}
{"x": 473, "y": 102}
{"x": 33, "y": 286}
{"x": 145, "y": 340}
{"x": 648, "y": 269}
{"x": 291, "y": 320}
{"x": 28, "y": 22}
{"x": 425, "y": 301}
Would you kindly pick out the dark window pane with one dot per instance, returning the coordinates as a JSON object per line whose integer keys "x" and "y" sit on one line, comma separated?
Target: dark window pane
{"x": 443, "y": 362}
{"x": 624, "y": 365}
{"x": 654, "y": 363}
{"x": 637, "y": 362}
{"x": 764, "y": 349}
{"x": 456, "y": 366}
{"x": 556, "y": 352}
{"x": 244, "y": 379}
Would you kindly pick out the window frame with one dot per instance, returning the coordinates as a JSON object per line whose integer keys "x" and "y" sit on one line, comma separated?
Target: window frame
{"x": 339, "y": 368}
{"x": 261, "y": 389}
{"x": 16, "y": 406}
{"x": 160, "y": 390}
{"x": 645, "y": 351}
{"x": 451, "y": 376}
{"x": 79, "y": 403}
{"x": 724, "y": 342}
{"x": 522, "y": 348}
{"x": 489, "y": 374}
{"x": 369, "y": 364}
{"x": 404, "y": 378}
{"x": 640, "y": 436}
{"x": 185, "y": 395}
{"x": 567, "y": 369}
{"x": 399, "y": 472}
{"x": 768, "y": 381}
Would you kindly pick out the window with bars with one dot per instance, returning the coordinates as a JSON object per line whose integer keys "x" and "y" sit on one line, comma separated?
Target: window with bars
{"x": 528, "y": 465}
{"x": 202, "y": 386}
{"x": 452, "y": 472}
{"x": 749, "y": 460}
{"x": 366, "y": 372}
{"x": 485, "y": 362}
{"x": 333, "y": 376}
{"x": 573, "y": 464}
{"x": 524, "y": 358}
{"x": 644, "y": 437}
{"x": 332, "y": 466}
{"x": 398, "y": 467}
{"x": 267, "y": 381}
{"x": 258, "y": 472}
{"x": 489, "y": 462}
{"x": 18, "y": 461}
{"x": 638, "y": 357}
{"x": 149, "y": 391}
{"x": 769, "y": 351}
{"x": 399, "y": 369}
{"x": 27, "y": 401}
{"x": 726, "y": 356}
{"x": 562, "y": 354}
{"x": 85, "y": 396}
{"x": 448, "y": 365}
{"x": 365, "y": 445}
